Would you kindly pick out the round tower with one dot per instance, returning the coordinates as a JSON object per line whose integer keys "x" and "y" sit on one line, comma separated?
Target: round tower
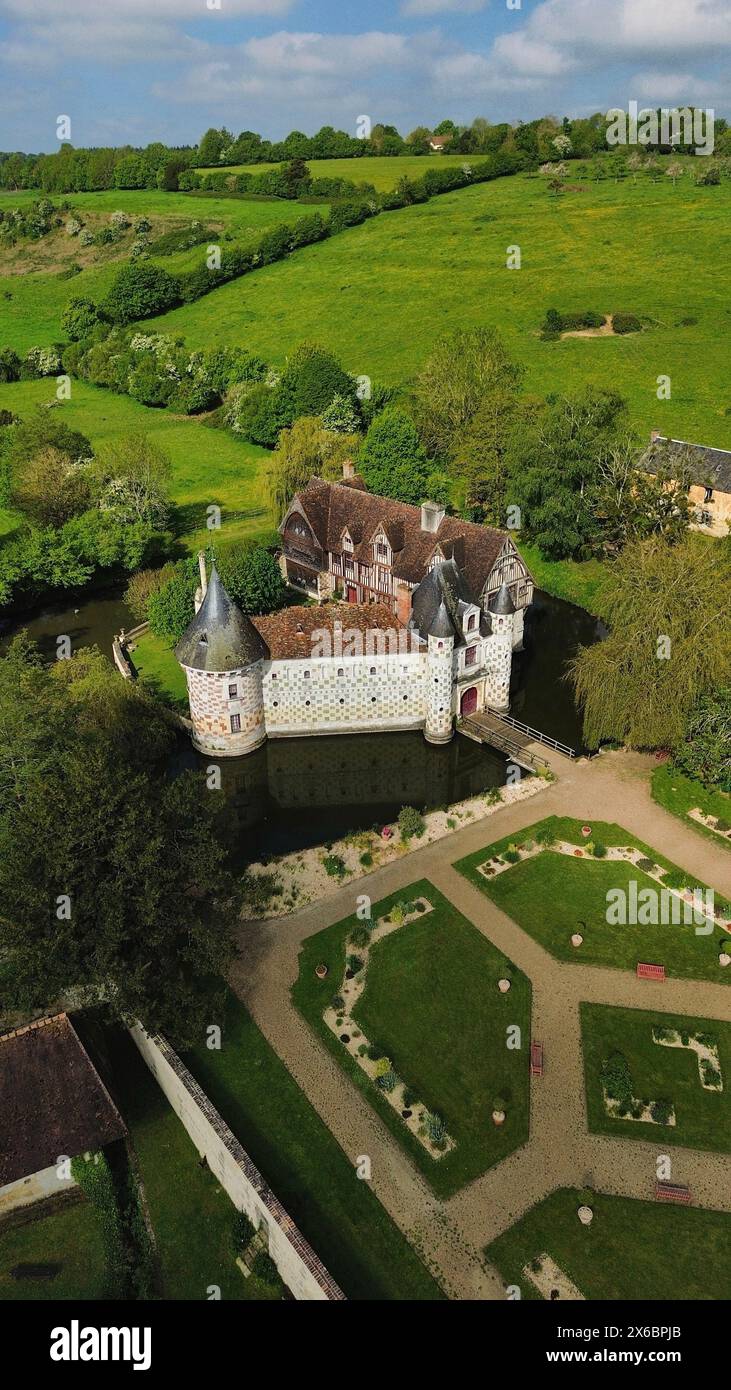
{"x": 222, "y": 654}
{"x": 438, "y": 727}
{"x": 502, "y": 618}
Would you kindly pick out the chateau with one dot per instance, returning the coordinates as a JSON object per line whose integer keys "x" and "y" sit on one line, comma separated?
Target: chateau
{"x": 340, "y": 541}
{"x": 345, "y": 667}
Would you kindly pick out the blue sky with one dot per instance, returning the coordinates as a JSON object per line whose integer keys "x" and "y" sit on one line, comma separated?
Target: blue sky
{"x": 129, "y": 71}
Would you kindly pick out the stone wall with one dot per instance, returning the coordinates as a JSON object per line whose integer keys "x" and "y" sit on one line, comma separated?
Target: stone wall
{"x": 298, "y": 1265}
{"x": 35, "y": 1188}
{"x": 345, "y": 695}
{"x": 212, "y": 706}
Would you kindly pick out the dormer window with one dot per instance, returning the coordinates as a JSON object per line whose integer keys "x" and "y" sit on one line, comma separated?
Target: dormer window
{"x": 472, "y": 622}
{"x": 347, "y": 542}
{"x": 708, "y": 494}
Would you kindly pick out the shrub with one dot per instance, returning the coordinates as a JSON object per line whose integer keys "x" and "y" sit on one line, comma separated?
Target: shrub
{"x": 264, "y": 1268}
{"x": 600, "y": 850}
{"x": 616, "y": 1078}
{"x": 646, "y": 865}
{"x": 360, "y": 935}
{"x": 436, "y": 1129}
{"x": 139, "y": 291}
{"x": 511, "y": 855}
{"x": 354, "y": 963}
{"x": 388, "y": 1080}
{"x": 366, "y": 859}
{"x": 242, "y": 1232}
{"x": 410, "y": 1097}
{"x": 661, "y": 1111}
{"x": 334, "y": 866}
{"x": 410, "y": 822}
{"x": 626, "y": 323}
{"x": 375, "y": 1052}
{"x": 80, "y": 318}
{"x": 337, "y": 1002}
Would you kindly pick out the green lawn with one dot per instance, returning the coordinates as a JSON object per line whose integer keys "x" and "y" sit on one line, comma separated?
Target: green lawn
{"x": 379, "y": 294}
{"x": 680, "y": 794}
{"x": 191, "y": 1214}
{"x": 553, "y": 896}
{"x": 69, "y": 1238}
{"x": 155, "y": 662}
{"x": 703, "y": 1117}
{"x": 209, "y": 466}
{"x": 311, "y": 1175}
{"x": 383, "y": 172}
{"x": 632, "y": 1250}
{"x": 572, "y": 580}
{"x": 432, "y": 1004}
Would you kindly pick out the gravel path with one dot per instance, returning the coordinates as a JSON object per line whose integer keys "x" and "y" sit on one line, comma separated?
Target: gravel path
{"x": 560, "y": 1152}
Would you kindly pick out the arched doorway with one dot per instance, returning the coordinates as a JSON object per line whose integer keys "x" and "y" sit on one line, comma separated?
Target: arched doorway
{"x": 468, "y": 703}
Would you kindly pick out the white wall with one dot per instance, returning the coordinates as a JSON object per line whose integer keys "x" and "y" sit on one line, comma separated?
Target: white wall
{"x": 302, "y": 1271}
{"x": 34, "y": 1188}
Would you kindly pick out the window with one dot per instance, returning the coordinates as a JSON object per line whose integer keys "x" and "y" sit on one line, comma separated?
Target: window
{"x": 235, "y": 723}
{"x": 306, "y": 675}
{"x": 381, "y": 551}
{"x": 373, "y": 670}
{"x": 709, "y": 495}
{"x": 470, "y": 656}
{"x": 472, "y": 622}
{"x": 341, "y": 672}
{"x": 233, "y": 691}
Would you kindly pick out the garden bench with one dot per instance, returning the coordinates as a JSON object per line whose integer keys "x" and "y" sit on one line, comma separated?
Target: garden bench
{"x": 536, "y": 1059}
{"x": 672, "y": 1192}
{"x": 650, "y": 972}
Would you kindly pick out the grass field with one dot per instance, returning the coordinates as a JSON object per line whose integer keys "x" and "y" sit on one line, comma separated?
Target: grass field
{"x": 553, "y": 896}
{"x": 32, "y": 303}
{"x": 69, "y": 1239}
{"x": 624, "y": 1253}
{"x": 381, "y": 293}
{"x": 383, "y": 172}
{"x": 154, "y": 662}
{"x": 680, "y": 794}
{"x": 431, "y": 981}
{"x": 209, "y": 466}
{"x": 311, "y": 1175}
{"x": 703, "y": 1117}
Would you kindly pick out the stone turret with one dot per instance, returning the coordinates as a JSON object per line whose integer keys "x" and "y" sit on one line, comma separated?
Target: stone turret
{"x": 502, "y": 618}
{"x": 435, "y": 615}
{"x": 222, "y": 653}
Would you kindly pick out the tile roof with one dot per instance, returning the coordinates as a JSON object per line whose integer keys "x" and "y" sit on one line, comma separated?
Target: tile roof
{"x": 289, "y": 633}
{"x": 439, "y": 604}
{"x": 707, "y": 466}
{"x": 331, "y": 508}
{"x": 52, "y": 1100}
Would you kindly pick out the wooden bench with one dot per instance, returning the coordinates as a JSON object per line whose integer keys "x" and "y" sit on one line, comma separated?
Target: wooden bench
{"x": 536, "y": 1059}
{"x": 650, "y": 972}
{"x": 672, "y": 1192}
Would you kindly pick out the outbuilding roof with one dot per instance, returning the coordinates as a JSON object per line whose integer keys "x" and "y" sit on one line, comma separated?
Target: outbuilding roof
{"x": 53, "y": 1102}
{"x": 708, "y": 467}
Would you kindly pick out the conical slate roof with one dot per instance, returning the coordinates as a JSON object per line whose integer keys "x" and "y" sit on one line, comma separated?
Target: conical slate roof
{"x": 438, "y": 603}
{"x": 502, "y": 603}
{"x": 220, "y": 637}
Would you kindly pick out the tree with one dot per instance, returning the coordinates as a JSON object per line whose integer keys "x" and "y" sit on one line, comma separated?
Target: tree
{"x": 170, "y": 608}
{"x": 392, "y": 459}
{"x": 480, "y": 455}
{"x": 133, "y": 476}
{"x": 139, "y": 291}
{"x": 305, "y": 451}
{"x": 669, "y": 643}
{"x": 552, "y": 463}
{"x": 632, "y": 503}
{"x": 311, "y": 380}
{"x": 80, "y": 318}
{"x": 705, "y": 749}
{"x": 111, "y": 872}
{"x": 212, "y": 146}
{"x": 341, "y": 417}
{"x": 463, "y": 368}
{"x": 252, "y": 577}
{"x": 49, "y": 488}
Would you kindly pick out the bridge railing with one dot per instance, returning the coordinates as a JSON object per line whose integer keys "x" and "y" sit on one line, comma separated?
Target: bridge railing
{"x": 536, "y": 735}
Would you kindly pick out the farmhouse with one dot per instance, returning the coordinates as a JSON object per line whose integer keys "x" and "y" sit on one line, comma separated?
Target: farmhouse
{"x": 709, "y": 473}
{"x": 345, "y": 668}
{"x": 340, "y": 541}
{"x": 53, "y": 1106}
{"x": 439, "y": 143}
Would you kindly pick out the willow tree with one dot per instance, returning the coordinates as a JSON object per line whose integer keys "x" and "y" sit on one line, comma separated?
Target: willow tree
{"x": 303, "y": 452}
{"x": 669, "y": 643}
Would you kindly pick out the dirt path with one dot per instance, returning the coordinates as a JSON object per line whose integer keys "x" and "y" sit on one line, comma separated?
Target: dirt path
{"x": 560, "y": 1152}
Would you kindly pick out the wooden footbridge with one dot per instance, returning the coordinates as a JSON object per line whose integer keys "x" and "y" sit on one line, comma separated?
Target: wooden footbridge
{"x": 520, "y": 742}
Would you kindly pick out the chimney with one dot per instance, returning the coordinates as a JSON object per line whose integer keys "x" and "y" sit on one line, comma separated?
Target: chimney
{"x": 202, "y": 589}
{"x": 348, "y": 469}
{"x": 432, "y": 516}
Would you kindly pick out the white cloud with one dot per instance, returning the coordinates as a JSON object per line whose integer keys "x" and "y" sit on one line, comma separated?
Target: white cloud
{"x": 429, "y": 8}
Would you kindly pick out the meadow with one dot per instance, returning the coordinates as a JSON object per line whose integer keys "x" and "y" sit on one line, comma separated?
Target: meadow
{"x": 383, "y": 172}
{"x": 381, "y": 293}
{"x": 209, "y": 466}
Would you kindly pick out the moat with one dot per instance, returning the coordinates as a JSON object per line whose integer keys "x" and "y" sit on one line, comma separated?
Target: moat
{"x": 292, "y": 793}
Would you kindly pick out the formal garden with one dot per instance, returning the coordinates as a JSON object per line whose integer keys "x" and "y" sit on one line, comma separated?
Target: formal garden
{"x": 629, "y": 1249}
{"x": 657, "y": 1076}
{"x": 432, "y": 1023}
{"x": 578, "y": 889}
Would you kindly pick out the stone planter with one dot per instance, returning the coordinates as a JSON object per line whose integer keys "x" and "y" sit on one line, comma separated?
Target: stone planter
{"x": 498, "y": 1117}
{"x": 503, "y": 986}
{"x": 586, "y": 831}
{"x": 585, "y": 1215}
{"x": 724, "y": 959}
{"x": 321, "y": 971}
{"x": 577, "y": 939}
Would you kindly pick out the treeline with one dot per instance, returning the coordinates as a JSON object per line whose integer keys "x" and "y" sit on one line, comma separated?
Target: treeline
{"x": 94, "y": 170}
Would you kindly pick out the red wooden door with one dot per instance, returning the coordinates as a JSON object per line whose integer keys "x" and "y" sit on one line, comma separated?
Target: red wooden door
{"x": 352, "y": 594}
{"x": 469, "y": 701}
